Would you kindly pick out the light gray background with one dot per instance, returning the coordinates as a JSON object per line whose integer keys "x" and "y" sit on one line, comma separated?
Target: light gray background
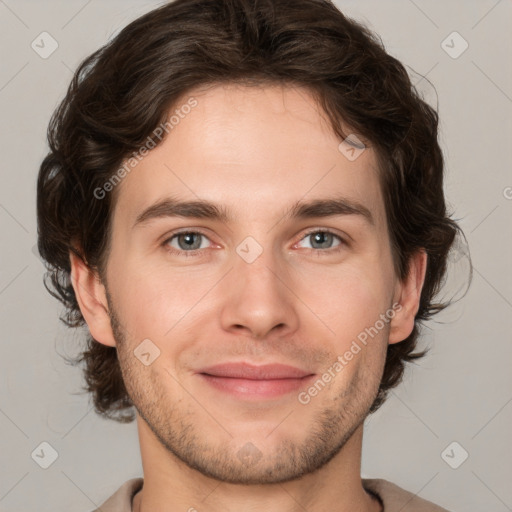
{"x": 460, "y": 392}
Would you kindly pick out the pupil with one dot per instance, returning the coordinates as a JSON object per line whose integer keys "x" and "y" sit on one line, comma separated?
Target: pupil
{"x": 321, "y": 237}
{"x": 189, "y": 239}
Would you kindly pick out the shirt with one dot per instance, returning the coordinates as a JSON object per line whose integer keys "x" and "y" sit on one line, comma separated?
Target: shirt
{"x": 392, "y": 497}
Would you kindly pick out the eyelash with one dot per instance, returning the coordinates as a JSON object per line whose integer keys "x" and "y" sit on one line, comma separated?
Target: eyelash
{"x": 196, "y": 252}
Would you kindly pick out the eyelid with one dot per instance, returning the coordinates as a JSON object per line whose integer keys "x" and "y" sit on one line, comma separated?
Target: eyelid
{"x": 198, "y": 231}
{"x": 169, "y": 236}
{"x": 342, "y": 238}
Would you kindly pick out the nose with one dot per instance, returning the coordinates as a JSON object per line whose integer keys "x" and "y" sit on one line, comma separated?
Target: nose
{"x": 259, "y": 299}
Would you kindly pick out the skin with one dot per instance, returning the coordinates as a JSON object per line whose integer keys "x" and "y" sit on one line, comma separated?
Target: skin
{"x": 256, "y": 151}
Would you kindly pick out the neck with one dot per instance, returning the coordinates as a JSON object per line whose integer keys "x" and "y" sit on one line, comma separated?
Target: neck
{"x": 171, "y": 485}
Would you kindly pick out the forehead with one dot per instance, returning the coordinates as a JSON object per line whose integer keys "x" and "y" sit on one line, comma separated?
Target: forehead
{"x": 254, "y": 149}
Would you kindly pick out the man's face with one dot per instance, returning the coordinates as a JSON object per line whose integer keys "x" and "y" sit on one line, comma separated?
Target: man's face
{"x": 302, "y": 301}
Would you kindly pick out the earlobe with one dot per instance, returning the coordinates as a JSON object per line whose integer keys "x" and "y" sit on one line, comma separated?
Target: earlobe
{"x": 408, "y": 295}
{"x": 92, "y": 299}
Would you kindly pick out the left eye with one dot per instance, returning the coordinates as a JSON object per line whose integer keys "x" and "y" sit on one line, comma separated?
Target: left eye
{"x": 323, "y": 239}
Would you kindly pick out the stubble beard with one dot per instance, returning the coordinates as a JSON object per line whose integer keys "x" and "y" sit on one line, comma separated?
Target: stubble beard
{"x": 180, "y": 432}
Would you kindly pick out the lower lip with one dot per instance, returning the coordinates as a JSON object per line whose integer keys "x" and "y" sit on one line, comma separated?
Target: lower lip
{"x": 256, "y": 389}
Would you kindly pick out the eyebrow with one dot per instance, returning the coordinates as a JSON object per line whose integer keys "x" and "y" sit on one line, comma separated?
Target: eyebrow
{"x": 202, "y": 209}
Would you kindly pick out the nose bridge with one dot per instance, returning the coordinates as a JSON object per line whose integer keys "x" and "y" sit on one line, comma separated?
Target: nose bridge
{"x": 260, "y": 271}
{"x": 258, "y": 298}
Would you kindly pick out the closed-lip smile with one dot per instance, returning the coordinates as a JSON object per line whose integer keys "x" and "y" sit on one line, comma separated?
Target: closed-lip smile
{"x": 247, "y": 381}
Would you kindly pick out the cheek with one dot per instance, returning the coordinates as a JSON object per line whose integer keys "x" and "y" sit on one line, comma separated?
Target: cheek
{"x": 154, "y": 301}
{"x": 348, "y": 299}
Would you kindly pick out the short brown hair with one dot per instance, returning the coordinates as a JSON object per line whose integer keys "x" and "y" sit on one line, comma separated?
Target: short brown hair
{"x": 124, "y": 90}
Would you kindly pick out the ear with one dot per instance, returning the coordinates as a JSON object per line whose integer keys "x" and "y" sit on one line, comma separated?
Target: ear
{"x": 407, "y": 298}
{"x": 92, "y": 299}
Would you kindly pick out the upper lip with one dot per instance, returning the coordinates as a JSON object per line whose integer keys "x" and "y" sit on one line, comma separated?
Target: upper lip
{"x": 248, "y": 371}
